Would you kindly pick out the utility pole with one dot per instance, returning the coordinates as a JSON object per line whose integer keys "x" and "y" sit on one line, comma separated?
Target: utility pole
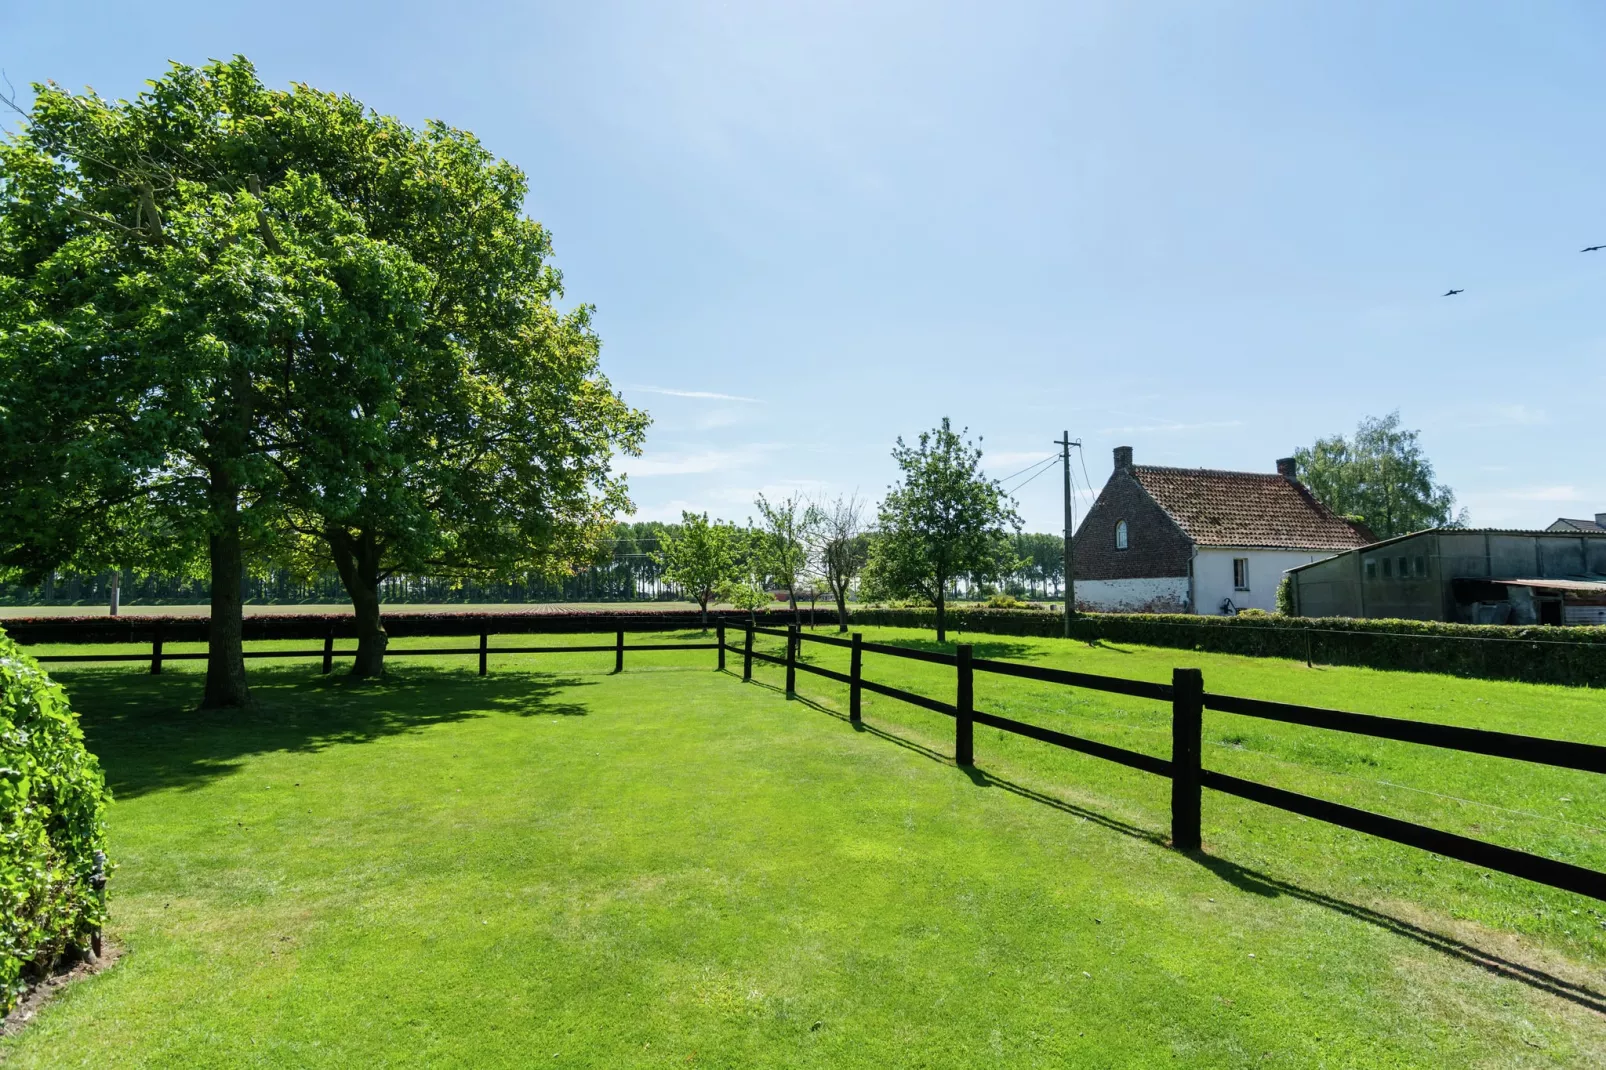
{"x": 1065, "y": 444}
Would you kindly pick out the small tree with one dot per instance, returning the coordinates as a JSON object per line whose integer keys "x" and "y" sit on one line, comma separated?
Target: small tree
{"x": 844, "y": 549}
{"x": 702, "y": 558}
{"x": 788, "y": 529}
{"x": 945, "y": 519}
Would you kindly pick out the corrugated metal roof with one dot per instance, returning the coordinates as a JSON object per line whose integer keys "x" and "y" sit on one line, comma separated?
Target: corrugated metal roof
{"x": 1578, "y": 584}
{"x": 1469, "y": 531}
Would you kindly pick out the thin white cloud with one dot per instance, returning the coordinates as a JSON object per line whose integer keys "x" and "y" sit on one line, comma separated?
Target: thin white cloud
{"x": 704, "y": 395}
{"x": 1565, "y": 493}
{"x": 1506, "y": 416}
{"x": 696, "y": 462}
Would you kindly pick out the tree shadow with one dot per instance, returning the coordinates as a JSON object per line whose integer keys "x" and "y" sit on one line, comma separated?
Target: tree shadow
{"x": 150, "y": 736}
{"x": 1253, "y": 881}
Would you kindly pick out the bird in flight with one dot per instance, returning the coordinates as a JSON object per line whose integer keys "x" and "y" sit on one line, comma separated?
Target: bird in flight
{"x": 1451, "y": 293}
{"x": 1591, "y": 248}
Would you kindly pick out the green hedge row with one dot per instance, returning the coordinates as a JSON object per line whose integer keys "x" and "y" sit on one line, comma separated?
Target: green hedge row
{"x": 53, "y": 801}
{"x": 1574, "y": 656}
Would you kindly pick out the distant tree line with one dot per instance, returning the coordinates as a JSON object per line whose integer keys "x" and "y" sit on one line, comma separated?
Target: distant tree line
{"x": 628, "y": 570}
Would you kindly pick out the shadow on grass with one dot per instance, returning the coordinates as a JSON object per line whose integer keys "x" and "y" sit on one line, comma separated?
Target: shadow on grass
{"x": 1257, "y": 883}
{"x": 149, "y": 735}
{"x": 1253, "y": 881}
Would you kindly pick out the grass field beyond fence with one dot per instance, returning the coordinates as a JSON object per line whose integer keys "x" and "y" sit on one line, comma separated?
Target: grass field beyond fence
{"x": 558, "y": 865}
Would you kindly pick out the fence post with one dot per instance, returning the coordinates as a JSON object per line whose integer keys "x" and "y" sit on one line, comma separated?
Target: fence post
{"x": 156, "y": 652}
{"x": 1307, "y": 648}
{"x": 719, "y": 638}
{"x": 485, "y": 644}
{"x": 855, "y": 670}
{"x": 1187, "y": 725}
{"x": 329, "y": 652}
{"x": 791, "y": 658}
{"x": 964, "y": 727}
{"x": 619, "y": 650}
{"x": 747, "y": 655}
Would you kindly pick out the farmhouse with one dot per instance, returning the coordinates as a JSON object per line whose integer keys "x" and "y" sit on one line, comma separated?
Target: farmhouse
{"x": 1196, "y": 540}
{"x": 1564, "y": 524}
{"x": 1471, "y": 576}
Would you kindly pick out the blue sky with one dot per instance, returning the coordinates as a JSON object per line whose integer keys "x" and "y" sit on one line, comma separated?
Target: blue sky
{"x": 1209, "y": 231}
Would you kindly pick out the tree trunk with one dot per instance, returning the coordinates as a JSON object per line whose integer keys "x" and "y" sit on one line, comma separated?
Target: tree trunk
{"x": 942, "y": 622}
{"x": 357, "y": 561}
{"x": 791, "y": 596}
{"x": 225, "y": 653}
{"x": 841, "y": 608}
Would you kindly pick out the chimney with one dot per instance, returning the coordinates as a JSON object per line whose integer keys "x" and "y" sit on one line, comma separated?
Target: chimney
{"x": 1123, "y": 458}
{"x": 1600, "y": 518}
{"x": 1288, "y": 468}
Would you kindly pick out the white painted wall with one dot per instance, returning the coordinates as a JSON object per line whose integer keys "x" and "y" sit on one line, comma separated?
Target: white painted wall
{"x": 1212, "y": 577}
{"x": 1167, "y": 594}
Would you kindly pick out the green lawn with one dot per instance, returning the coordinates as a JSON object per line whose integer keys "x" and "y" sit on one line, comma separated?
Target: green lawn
{"x": 558, "y": 866}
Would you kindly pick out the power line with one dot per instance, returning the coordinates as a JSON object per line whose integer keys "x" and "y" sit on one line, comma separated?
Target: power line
{"x": 1028, "y": 468}
{"x": 1040, "y": 471}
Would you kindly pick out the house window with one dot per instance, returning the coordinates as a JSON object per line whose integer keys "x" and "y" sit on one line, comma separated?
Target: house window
{"x": 1240, "y": 573}
{"x": 1120, "y": 534}
{"x": 1371, "y": 568}
{"x": 1388, "y": 568}
{"x": 1405, "y": 567}
{"x": 1421, "y": 566}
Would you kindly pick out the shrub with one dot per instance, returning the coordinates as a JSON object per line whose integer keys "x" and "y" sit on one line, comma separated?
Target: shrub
{"x": 53, "y": 802}
{"x": 1253, "y": 612}
{"x": 1004, "y": 601}
{"x": 1285, "y": 597}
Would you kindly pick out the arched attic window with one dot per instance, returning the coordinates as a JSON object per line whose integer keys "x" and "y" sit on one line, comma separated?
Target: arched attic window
{"x": 1120, "y": 534}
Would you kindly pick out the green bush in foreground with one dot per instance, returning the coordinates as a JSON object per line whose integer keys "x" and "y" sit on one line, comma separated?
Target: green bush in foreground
{"x": 53, "y": 801}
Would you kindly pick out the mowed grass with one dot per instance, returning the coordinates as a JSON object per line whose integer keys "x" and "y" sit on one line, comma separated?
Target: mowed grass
{"x": 559, "y": 866}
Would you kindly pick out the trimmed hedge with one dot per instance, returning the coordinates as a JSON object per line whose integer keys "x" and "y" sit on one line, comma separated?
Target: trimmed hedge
{"x": 1573, "y": 656}
{"x": 53, "y": 801}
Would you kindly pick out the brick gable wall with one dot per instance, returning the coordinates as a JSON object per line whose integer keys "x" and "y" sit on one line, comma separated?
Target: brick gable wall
{"x": 1156, "y": 547}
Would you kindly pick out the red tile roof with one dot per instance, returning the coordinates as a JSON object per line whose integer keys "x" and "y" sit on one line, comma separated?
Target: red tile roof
{"x": 1247, "y": 509}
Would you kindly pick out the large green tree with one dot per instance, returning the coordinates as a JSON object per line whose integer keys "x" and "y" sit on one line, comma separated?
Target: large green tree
{"x": 1380, "y": 477}
{"x": 155, "y": 297}
{"x": 942, "y": 520}
{"x": 231, "y": 317}
{"x": 489, "y": 450}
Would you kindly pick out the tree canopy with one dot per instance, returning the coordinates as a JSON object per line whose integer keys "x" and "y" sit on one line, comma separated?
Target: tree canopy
{"x": 236, "y": 319}
{"x": 784, "y": 538}
{"x": 943, "y": 519}
{"x": 705, "y": 560}
{"x": 1381, "y": 477}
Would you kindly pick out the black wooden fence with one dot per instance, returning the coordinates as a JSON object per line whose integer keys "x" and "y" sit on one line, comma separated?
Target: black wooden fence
{"x": 457, "y": 625}
{"x": 1185, "y": 693}
{"x": 1189, "y": 700}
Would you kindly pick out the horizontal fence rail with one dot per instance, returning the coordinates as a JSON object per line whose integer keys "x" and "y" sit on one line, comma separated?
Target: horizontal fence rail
{"x": 486, "y": 628}
{"x": 1189, "y": 701}
{"x": 1185, "y": 694}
